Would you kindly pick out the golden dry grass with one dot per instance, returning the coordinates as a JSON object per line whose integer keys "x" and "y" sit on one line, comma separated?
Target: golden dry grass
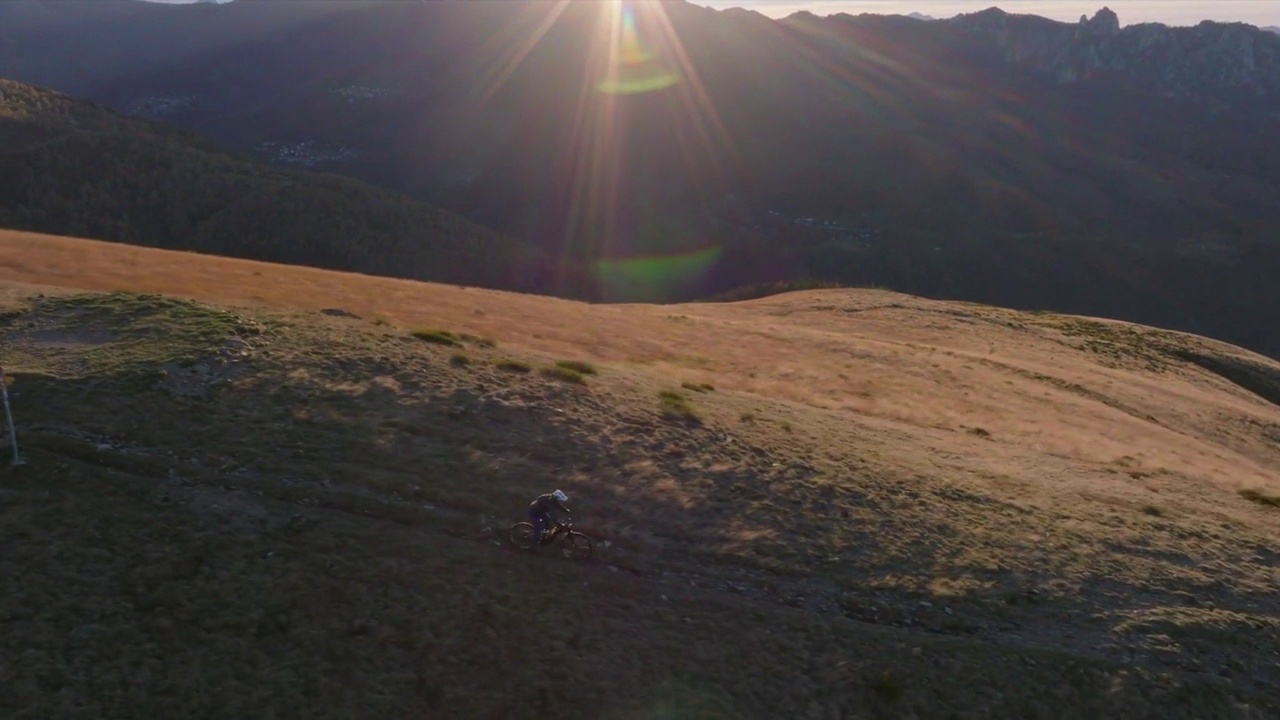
{"x": 1018, "y": 481}
{"x": 897, "y": 360}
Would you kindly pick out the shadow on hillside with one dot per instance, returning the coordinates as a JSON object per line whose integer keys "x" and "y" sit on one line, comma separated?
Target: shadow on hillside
{"x": 371, "y": 436}
{"x": 390, "y": 441}
{"x": 1257, "y": 378}
{"x": 392, "y": 431}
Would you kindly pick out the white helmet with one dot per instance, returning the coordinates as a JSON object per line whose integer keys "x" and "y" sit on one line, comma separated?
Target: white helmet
{"x": 559, "y": 495}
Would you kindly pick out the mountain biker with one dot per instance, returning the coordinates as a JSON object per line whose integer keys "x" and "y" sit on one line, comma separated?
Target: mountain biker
{"x": 540, "y": 511}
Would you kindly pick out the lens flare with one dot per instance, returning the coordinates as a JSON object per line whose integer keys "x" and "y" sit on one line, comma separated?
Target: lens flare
{"x": 633, "y": 66}
{"x": 633, "y": 113}
{"x": 655, "y": 279}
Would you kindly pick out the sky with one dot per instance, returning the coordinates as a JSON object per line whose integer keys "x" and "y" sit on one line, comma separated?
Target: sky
{"x": 1169, "y": 12}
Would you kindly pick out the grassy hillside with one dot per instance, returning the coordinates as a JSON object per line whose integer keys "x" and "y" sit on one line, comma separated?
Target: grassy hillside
{"x": 71, "y": 167}
{"x": 887, "y": 507}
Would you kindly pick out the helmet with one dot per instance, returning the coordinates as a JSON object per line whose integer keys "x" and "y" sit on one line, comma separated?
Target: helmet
{"x": 559, "y": 495}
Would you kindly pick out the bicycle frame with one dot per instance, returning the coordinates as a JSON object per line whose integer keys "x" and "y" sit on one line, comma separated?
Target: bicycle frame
{"x": 553, "y": 532}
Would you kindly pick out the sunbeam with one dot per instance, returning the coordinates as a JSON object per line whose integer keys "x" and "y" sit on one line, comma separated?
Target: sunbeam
{"x": 633, "y": 66}
{"x": 651, "y": 254}
{"x": 640, "y": 112}
{"x": 515, "y": 54}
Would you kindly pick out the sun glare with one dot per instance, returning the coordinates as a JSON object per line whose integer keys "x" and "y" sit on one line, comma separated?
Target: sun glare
{"x": 640, "y": 102}
{"x": 639, "y": 53}
{"x": 633, "y": 67}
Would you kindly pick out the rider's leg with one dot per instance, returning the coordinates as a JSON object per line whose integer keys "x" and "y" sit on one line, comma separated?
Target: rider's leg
{"x": 539, "y": 522}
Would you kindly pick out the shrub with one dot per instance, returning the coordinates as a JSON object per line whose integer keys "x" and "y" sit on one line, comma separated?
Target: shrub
{"x": 568, "y": 375}
{"x": 514, "y": 366}
{"x": 437, "y": 337}
{"x": 1260, "y": 497}
{"x": 444, "y": 337}
{"x": 675, "y": 406}
{"x": 578, "y": 366}
{"x": 478, "y": 340}
{"x": 887, "y": 687}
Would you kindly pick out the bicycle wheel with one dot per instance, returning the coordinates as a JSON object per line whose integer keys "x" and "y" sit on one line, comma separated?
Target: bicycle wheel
{"x": 521, "y": 535}
{"x": 577, "y": 546}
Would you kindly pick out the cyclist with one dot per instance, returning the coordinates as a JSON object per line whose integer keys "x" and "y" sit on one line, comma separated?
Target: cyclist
{"x": 540, "y": 511}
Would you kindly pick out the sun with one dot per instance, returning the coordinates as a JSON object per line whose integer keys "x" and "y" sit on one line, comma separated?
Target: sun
{"x": 637, "y": 81}
{"x": 632, "y": 66}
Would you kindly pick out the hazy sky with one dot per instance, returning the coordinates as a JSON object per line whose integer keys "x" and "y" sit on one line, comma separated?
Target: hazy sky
{"x": 1169, "y": 12}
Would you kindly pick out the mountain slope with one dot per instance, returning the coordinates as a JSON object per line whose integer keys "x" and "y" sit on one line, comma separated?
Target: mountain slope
{"x": 922, "y": 125}
{"x": 71, "y": 167}
{"x": 73, "y": 46}
{"x": 992, "y": 157}
{"x": 889, "y": 507}
{"x": 924, "y": 156}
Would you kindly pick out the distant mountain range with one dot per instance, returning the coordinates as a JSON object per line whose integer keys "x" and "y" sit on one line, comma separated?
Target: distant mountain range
{"x": 1206, "y": 63}
{"x": 1084, "y": 167}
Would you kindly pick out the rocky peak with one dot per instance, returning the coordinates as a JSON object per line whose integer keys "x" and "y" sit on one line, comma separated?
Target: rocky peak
{"x": 1105, "y": 23}
{"x": 1200, "y": 61}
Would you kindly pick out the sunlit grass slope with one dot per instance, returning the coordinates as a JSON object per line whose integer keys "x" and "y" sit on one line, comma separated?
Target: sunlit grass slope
{"x": 267, "y": 491}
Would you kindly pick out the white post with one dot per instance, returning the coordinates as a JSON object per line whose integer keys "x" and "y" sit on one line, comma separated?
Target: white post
{"x": 8, "y": 418}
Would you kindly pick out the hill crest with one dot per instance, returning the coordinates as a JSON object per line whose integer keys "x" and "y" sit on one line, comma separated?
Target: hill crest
{"x": 1121, "y": 372}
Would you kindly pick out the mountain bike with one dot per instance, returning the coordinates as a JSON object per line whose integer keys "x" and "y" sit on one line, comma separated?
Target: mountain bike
{"x": 574, "y": 544}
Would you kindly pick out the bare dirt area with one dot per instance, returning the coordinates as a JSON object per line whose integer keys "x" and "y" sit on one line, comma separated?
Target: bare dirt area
{"x": 836, "y": 503}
